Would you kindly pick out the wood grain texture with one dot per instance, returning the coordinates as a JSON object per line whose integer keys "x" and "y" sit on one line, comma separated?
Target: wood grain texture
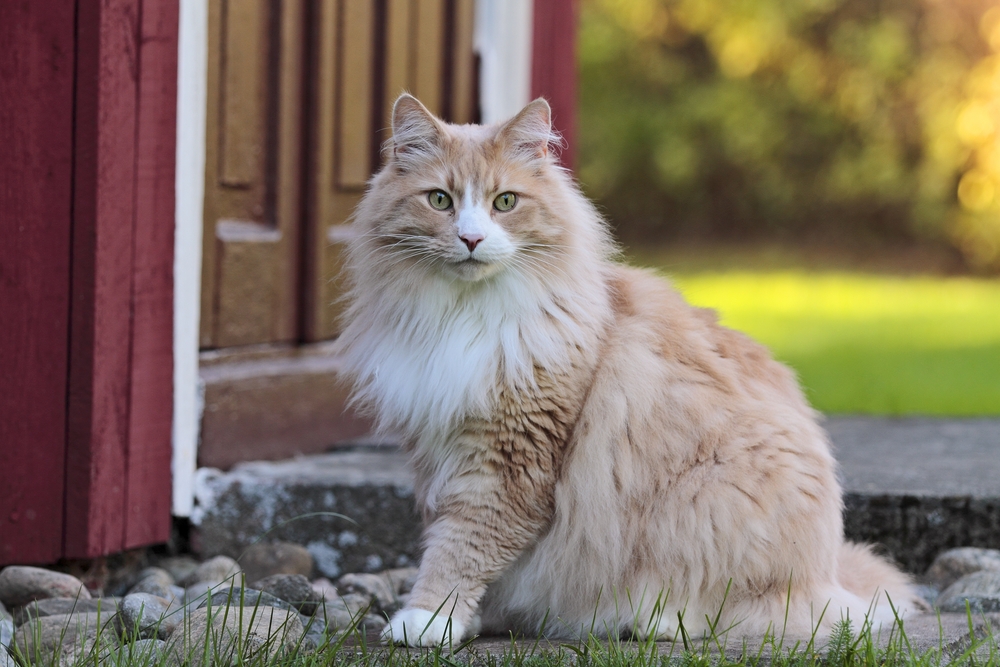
{"x": 399, "y": 32}
{"x": 90, "y": 263}
{"x": 244, "y": 91}
{"x": 427, "y": 56}
{"x": 289, "y": 189}
{"x": 148, "y": 489}
{"x": 100, "y": 326}
{"x": 206, "y": 317}
{"x": 36, "y": 131}
{"x": 464, "y": 96}
{"x": 553, "y": 67}
{"x": 354, "y": 103}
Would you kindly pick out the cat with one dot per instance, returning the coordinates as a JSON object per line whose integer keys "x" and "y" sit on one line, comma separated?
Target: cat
{"x": 592, "y": 454}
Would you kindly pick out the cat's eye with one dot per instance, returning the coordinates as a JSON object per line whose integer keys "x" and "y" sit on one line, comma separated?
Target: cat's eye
{"x": 505, "y": 201}
{"x": 440, "y": 200}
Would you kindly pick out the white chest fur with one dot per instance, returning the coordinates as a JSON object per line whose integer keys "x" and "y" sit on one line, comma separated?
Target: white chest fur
{"x": 429, "y": 357}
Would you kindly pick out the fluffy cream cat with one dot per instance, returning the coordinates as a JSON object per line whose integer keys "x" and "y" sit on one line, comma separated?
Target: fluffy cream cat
{"x": 591, "y": 451}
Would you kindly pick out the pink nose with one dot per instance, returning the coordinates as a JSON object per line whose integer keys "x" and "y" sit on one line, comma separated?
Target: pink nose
{"x": 471, "y": 240}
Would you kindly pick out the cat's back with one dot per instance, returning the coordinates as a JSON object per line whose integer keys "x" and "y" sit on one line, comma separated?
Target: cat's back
{"x": 665, "y": 335}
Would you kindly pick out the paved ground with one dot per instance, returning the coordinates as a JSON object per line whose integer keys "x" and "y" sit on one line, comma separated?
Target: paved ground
{"x": 918, "y": 456}
{"x": 947, "y": 635}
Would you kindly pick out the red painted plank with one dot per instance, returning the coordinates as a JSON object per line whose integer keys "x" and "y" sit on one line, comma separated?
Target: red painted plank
{"x": 553, "y": 66}
{"x": 149, "y": 445}
{"x": 36, "y": 131}
{"x": 100, "y": 325}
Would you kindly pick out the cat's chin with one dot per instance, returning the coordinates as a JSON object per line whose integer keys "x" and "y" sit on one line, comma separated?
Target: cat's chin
{"x": 474, "y": 270}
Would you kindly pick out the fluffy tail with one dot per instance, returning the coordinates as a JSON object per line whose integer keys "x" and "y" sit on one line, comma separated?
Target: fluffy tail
{"x": 886, "y": 590}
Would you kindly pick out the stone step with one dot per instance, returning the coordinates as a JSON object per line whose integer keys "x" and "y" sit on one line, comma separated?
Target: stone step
{"x": 916, "y": 486}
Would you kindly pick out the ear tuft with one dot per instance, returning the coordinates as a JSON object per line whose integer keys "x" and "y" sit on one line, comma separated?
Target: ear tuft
{"x": 530, "y": 133}
{"x": 415, "y": 130}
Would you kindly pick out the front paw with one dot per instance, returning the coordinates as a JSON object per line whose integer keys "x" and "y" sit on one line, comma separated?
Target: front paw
{"x": 419, "y": 627}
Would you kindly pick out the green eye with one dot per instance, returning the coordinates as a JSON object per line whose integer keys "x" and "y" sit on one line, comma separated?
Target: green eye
{"x": 440, "y": 200}
{"x": 505, "y": 202}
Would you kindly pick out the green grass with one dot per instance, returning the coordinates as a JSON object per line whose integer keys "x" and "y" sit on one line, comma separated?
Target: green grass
{"x": 861, "y": 341}
{"x": 846, "y": 647}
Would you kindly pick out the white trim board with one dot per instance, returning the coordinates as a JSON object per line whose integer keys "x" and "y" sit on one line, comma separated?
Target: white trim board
{"x": 192, "y": 83}
{"x": 503, "y": 40}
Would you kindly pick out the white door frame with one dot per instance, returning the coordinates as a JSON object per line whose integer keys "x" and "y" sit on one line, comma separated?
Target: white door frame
{"x": 192, "y": 82}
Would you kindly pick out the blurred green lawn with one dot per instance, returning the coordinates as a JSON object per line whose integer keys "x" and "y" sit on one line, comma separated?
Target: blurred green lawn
{"x": 862, "y": 342}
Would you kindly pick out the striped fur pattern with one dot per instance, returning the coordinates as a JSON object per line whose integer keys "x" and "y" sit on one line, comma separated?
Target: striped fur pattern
{"x": 592, "y": 453}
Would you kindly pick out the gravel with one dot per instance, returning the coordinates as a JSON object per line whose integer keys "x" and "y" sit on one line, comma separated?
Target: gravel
{"x": 301, "y": 612}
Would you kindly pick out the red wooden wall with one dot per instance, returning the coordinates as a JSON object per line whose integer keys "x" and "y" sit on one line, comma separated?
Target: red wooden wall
{"x": 87, "y": 119}
{"x": 553, "y": 66}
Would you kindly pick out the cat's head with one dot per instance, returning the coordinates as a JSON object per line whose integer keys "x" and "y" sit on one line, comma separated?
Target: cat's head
{"x": 468, "y": 201}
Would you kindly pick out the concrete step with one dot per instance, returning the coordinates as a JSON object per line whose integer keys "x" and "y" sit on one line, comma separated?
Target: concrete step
{"x": 914, "y": 486}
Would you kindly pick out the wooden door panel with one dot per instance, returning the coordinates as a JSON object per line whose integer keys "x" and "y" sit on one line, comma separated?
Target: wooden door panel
{"x": 399, "y": 34}
{"x": 353, "y": 116}
{"x": 427, "y": 54}
{"x": 252, "y": 200}
{"x": 464, "y": 90}
{"x": 243, "y": 95}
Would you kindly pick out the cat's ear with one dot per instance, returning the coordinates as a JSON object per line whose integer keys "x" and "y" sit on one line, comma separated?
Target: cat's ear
{"x": 415, "y": 130}
{"x": 529, "y": 133}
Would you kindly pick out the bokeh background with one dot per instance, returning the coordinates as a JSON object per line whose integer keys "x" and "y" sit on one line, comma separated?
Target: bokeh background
{"x": 825, "y": 173}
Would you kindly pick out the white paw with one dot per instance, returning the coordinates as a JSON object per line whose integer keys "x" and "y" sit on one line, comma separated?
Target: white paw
{"x": 419, "y": 627}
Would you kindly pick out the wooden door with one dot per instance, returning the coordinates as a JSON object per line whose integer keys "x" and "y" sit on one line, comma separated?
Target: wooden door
{"x": 308, "y": 82}
{"x": 252, "y": 196}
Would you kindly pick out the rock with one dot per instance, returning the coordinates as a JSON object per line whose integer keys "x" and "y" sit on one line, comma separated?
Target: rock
{"x": 64, "y": 639}
{"x": 292, "y": 588}
{"x": 374, "y": 622}
{"x": 6, "y": 633}
{"x": 316, "y": 634}
{"x": 344, "y": 613}
{"x": 266, "y": 559}
{"x": 61, "y": 606}
{"x": 141, "y": 652}
{"x": 20, "y": 584}
{"x": 196, "y": 594}
{"x": 145, "y": 616}
{"x": 374, "y": 587}
{"x": 337, "y": 617}
{"x": 4, "y": 614}
{"x": 179, "y": 567}
{"x": 247, "y": 636}
{"x": 298, "y": 501}
{"x": 325, "y": 588}
{"x": 155, "y": 581}
{"x": 980, "y": 589}
{"x": 928, "y": 594}
{"x": 219, "y": 568}
{"x": 401, "y": 579}
{"x": 356, "y": 603}
{"x": 952, "y": 565}
{"x": 245, "y": 597}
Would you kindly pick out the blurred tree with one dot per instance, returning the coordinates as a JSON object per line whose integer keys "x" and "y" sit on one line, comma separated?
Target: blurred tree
{"x": 842, "y": 120}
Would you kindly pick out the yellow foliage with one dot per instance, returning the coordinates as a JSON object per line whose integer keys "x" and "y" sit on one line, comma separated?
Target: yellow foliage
{"x": 768, "y": 114}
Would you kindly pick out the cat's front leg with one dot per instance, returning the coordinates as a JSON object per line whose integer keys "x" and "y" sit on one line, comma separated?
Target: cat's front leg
{"x": 479, "y": 531}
